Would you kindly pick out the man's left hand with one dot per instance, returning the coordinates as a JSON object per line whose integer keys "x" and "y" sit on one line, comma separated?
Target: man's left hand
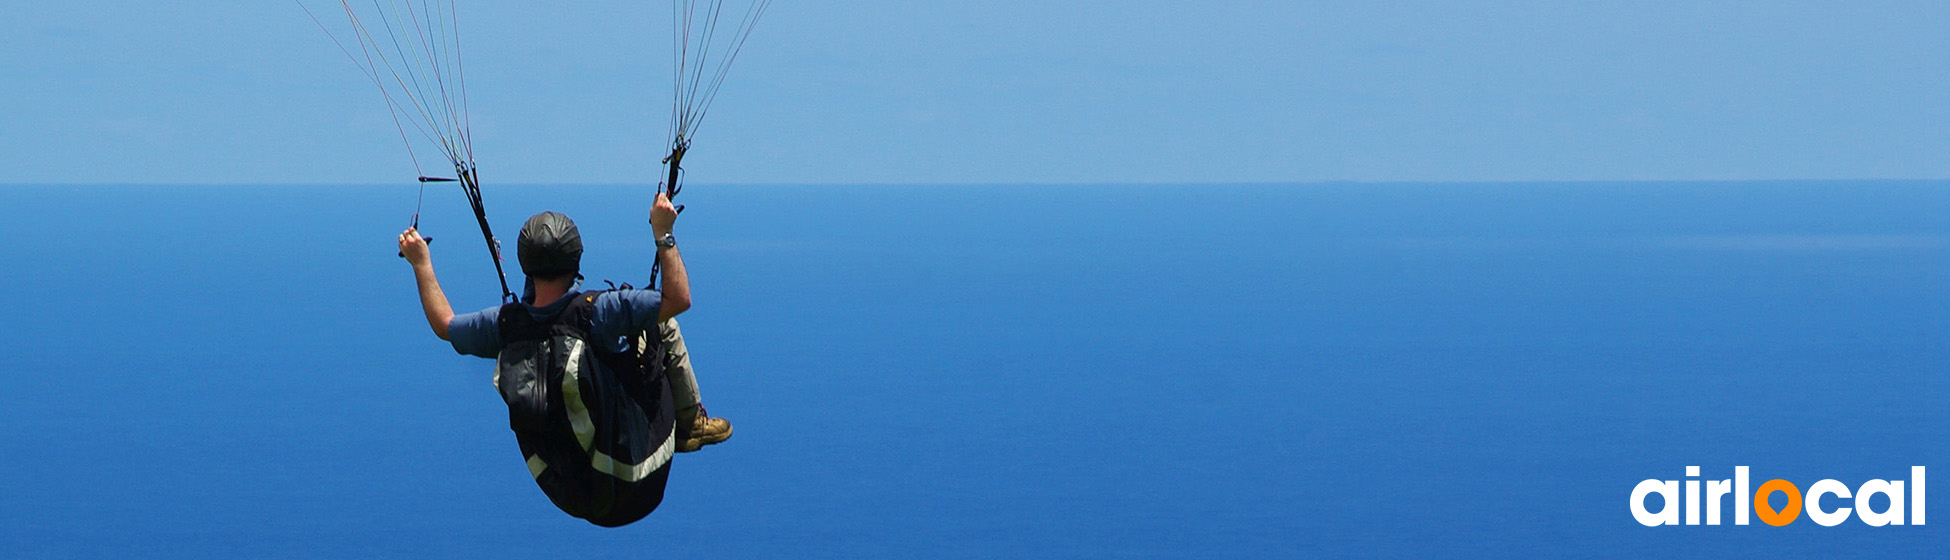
{"x": 414, "y": 248}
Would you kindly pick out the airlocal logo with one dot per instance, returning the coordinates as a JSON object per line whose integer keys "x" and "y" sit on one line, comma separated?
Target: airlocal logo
{"x": 1743, "y": 497}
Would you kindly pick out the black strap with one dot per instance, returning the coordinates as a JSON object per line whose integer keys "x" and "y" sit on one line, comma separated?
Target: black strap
{"x": 670, "y": 188}
{"x": 471, "y": 185}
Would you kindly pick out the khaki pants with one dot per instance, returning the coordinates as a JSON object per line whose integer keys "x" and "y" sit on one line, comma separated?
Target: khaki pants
{"x": 677, "y": 367}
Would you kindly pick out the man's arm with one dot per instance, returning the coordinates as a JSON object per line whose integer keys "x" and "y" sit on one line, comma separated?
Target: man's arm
{"x": 432, "y": 300}
{"x": 677, "y": 285}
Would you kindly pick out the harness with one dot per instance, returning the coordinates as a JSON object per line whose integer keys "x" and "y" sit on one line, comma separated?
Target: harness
{"x": 595, "y": 427}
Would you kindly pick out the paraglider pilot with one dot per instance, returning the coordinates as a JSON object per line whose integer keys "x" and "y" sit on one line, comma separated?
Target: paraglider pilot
{"x": 599, "y": 385}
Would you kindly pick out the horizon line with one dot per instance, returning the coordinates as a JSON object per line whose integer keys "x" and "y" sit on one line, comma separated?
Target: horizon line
{"x": 1324, "y": 182}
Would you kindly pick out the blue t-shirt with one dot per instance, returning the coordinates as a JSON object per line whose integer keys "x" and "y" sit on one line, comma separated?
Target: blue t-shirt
{"x": 619, "y": 315}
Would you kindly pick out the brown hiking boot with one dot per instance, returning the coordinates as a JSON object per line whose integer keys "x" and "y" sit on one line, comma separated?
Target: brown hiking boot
{"x": 699, "y": 429}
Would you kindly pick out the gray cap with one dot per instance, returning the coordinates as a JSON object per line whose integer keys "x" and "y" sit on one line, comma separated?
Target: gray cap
{"x": 549, "y": 246}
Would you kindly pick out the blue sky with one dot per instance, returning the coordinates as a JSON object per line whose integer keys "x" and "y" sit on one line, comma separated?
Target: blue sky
{"x": 1005, "y": 91}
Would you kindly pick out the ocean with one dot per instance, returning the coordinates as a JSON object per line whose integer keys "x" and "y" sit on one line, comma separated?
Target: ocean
{"x": 1119, "y": 371}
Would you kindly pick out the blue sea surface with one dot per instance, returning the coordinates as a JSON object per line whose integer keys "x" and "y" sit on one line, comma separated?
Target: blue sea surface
{"x": 1136, "y": 371}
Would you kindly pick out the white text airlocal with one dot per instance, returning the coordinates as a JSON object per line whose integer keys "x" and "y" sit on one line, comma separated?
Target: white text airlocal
{"x": 1745, "y": 500}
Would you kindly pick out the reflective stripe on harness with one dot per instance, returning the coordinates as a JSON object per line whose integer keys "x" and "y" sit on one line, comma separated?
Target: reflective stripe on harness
{"x": 633, "y": 473}
{"x": 585, "y": 429}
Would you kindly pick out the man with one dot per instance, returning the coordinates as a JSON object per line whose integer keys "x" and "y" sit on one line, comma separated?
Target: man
{"x": 596, "y": 403}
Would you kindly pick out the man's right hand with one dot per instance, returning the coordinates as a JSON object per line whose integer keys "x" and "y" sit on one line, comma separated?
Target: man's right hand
{"x": 414, "y": 247}
{"x": 663, "y": 216}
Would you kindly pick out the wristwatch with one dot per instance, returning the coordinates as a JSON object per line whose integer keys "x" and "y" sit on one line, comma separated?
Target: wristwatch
{"x": 668, "y": 241}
